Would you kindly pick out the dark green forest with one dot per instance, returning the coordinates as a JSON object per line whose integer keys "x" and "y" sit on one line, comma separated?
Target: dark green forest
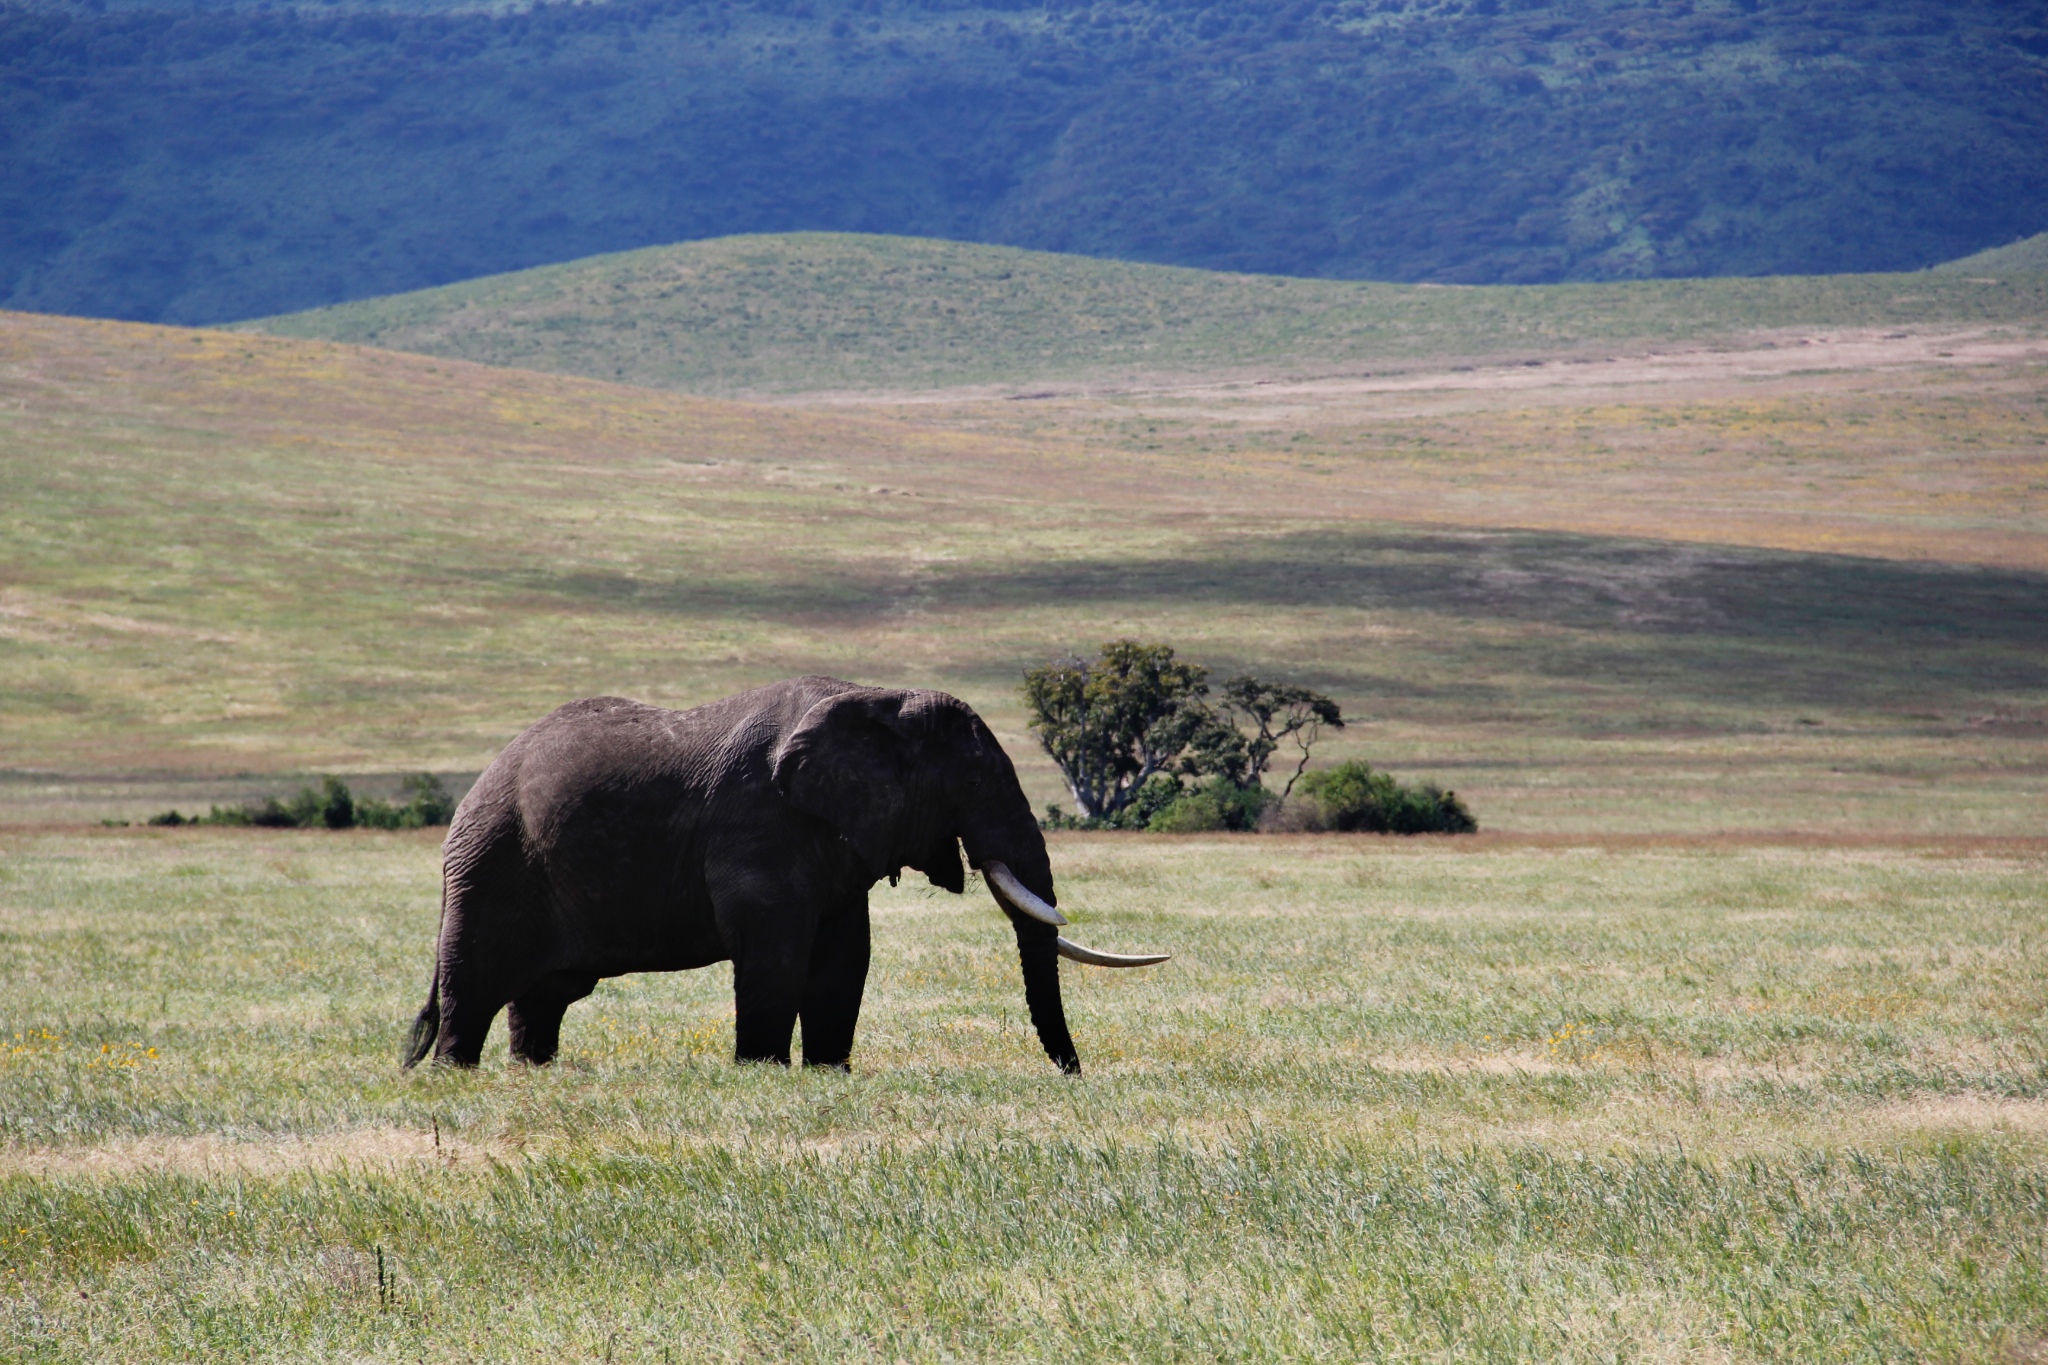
{"x": 206, "y": 164}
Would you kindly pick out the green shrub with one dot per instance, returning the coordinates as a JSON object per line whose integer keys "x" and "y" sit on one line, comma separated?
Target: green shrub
{"x": 270, "y": 813}
{"x": 1352, "y": 796}
{"x": 376, "y": 813}
{"x": 426, "y": 801}
{"x": 304, "y": 809}
{"x": 1056, "y": 817}
{"x": 337, "y": 807}
{"x": 331, "y": 805}
{"x": 1215, "y": 805}
{"x": 1198, "y": 812}
{"x": 1166, "y": 805}
{"x": 1158, "y": 793}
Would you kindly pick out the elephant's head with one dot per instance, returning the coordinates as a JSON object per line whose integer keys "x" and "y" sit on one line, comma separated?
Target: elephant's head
{"x": 908, "y": 778}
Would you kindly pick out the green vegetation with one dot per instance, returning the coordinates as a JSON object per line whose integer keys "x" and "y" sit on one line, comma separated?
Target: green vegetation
{"x": 1465, "y": 1101}
{"x": 423, "y": 801}
{"x": 1214, "y": 805}
{"x": 2029, "y": 256}
{"x": 1112, "y": 723}
{"x": 1353, "y": 797}
{"x": 197, "y": 164}
{"x": 1278, "y": 715}
{"x": 1125, "y": 728}
{"x": 821, "y": 311}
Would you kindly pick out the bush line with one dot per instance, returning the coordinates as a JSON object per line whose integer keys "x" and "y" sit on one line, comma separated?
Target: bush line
{"x": 424, "y": 801}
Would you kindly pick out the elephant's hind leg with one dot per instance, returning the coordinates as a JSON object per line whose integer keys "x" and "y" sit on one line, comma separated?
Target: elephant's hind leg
{"x": 466, "y": 1015}
{"x": 536, "y": 1016}
{"x": 839, "y": 975}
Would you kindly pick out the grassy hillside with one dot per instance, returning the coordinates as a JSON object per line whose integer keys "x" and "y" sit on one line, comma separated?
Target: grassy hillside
{"x": 231, "y": 554}
{"x": 2028, "y": 256}
{"x": 811, "y": 311}
{"x": 198, "y": 164}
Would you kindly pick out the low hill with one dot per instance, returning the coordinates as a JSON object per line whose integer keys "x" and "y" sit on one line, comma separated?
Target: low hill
{"x": 2028, "y": 256}
{"x": 820, "y": 311}
{"x": 199, "y": 163}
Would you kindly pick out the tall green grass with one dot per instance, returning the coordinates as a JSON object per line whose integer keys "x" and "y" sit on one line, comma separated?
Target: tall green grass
{"x": 1395, "y": 1100}
{"x": 1255, "y": 1248}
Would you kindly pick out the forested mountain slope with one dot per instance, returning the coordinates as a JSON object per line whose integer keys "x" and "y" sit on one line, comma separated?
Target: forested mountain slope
{"x": 210, "y": 164}
{"x": 818, "y": 311}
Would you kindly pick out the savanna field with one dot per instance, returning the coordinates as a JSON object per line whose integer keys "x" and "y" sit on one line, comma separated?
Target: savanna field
{"x": 1724, "y": 1040}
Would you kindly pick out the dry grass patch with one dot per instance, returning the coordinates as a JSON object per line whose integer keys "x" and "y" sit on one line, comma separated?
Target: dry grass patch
{"x": 1895, "y": 445}
{"x": 225, "y": 1157}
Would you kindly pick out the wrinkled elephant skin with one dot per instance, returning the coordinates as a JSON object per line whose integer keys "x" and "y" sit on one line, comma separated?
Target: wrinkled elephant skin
{"x": 617, "y": 837}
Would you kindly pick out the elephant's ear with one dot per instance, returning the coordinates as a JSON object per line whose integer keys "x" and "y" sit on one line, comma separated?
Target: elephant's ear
{"x": 845, "y": 764}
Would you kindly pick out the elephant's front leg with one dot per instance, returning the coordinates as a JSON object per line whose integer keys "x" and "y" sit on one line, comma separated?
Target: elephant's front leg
{"x": 768, "y": 989}
{"x": 768, "y": 920}
{"x": 773, "y": 905}
{"x": 838, "y": 976}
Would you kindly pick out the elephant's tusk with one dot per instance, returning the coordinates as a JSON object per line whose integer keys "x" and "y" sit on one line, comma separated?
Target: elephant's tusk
{"x": 1069, "y": 948}
{"x": 1018, "y": 896}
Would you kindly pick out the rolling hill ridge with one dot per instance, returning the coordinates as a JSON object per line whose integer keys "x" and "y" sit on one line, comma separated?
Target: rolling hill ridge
{"x": 820, "y": 311}
{"x": 2029, "y": 255}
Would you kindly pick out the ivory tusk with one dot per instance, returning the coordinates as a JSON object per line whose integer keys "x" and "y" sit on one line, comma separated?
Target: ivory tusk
{"x": 1018, "y": 896}
{"x": 1069, "y": 948}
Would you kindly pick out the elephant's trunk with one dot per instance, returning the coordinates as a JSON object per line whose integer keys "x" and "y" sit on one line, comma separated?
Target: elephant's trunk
{"x": 1035, "y": 949}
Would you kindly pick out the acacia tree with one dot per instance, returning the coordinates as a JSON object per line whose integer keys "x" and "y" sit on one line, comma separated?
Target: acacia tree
{"x": 1278, "y": 713}
{"x": 1113, "y": 721}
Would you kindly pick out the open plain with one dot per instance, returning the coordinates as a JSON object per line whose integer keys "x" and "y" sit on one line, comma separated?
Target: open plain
{"x": 1722, "y": 1041}
{"x": 1412, "y": 1101}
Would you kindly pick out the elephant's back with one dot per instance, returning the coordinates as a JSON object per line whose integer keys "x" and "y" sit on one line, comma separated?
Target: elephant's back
{"x": 613, "y": 752}
{"x": 601, "y": 812}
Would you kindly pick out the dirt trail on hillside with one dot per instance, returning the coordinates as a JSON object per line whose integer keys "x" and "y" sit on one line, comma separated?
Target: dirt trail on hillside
{"x": 1903, "y": 444}
{"x": 1701, "y": 372}
{"x": 1809, "y": 355}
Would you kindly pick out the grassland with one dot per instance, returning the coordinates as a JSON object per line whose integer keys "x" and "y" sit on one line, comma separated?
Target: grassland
{"x": 799, "y": 312}
{"x": 1925, "y": 447}
{"x": 244, "y": 555}
{"x": 1722, "y": 1042}
{"x": 1398, "y": 1101}
{"x": 2029, "y": 254}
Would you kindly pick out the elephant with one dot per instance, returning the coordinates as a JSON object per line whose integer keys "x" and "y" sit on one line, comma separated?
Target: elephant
{"x": 613, "y": 836}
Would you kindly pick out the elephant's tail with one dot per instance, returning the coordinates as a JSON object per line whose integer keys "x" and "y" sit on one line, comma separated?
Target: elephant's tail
{"x": 427, "y": 1027}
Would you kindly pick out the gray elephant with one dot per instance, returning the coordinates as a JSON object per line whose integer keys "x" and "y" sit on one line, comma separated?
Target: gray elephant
{"x": 617, "y": 837}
